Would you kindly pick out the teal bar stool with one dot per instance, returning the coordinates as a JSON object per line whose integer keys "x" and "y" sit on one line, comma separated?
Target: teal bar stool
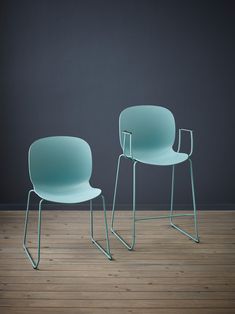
{"x": 60, "y": 168}
{"x": 147, "y": 134}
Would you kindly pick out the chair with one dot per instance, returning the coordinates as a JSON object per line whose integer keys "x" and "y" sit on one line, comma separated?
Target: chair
{"x": 147, "y": 134}
{"x": 60, "y": 169}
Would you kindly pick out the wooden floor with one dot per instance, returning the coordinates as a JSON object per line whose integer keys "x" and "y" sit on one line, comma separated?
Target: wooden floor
{"x": 167, "y": 272}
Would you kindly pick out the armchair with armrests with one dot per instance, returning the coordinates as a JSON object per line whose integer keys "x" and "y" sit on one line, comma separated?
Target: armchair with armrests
{"x": 147, "y": 134}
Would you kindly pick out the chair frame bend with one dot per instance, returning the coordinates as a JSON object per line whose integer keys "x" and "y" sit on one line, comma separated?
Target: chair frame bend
{"x": 34, "y": 262}
{"x": 130, "y": 246}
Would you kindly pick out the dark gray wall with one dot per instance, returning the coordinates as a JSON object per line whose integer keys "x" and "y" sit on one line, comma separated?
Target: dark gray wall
{"x": 69, "y": 67}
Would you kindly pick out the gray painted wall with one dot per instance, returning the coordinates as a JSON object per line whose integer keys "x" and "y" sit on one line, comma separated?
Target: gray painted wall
{"x": 69, "y": 67}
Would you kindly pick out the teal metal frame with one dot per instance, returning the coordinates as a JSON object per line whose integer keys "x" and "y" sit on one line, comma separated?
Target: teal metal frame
{"x": 171, "y": 216}
{"x": 96, "y": 243}
{"x": 35, "y": 263}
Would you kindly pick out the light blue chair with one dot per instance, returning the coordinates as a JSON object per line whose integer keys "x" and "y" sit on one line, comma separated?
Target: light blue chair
{"x": 60, "y": 168}
{"x": 147, "y": 134}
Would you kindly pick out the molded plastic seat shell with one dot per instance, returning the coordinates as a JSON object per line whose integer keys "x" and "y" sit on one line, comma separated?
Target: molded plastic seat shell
{"x": 60, "y": 168}
{"x": 153, "y": 135}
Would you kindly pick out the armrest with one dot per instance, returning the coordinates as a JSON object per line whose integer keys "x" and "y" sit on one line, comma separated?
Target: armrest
{"x": 129, "y": 135}
{"x": 191, "y": 140}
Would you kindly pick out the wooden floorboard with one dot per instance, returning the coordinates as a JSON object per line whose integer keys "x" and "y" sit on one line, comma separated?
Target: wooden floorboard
{"x": 167, "y": 272}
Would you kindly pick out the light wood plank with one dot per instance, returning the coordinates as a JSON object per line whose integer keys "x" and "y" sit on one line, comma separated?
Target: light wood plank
{"x": 166, "y": 274}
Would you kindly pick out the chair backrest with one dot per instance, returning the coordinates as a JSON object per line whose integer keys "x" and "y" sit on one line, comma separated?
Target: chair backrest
{"x": 152, "y": 127}
{"x": 59, "y": 160}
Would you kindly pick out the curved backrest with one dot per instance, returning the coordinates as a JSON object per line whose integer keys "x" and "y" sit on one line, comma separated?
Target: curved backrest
{"x": 152, "y": 127}
{"x": 59, "y": 160}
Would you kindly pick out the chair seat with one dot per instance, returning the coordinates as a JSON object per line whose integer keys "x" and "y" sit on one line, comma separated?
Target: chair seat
{"x": 160, "y": 158}
{"x": 75, "y": 193}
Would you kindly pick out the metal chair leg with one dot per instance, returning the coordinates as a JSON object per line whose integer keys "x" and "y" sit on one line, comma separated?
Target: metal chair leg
{"x": 115, "y": 191}
{"x": 196, "y": 237}
{"x": 107, "y": 251}
{"x": 33, "y": 262}
{"x": 119, "y": 237}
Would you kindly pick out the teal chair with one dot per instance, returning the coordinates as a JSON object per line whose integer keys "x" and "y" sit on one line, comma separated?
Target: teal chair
{"x": 147, "y": 134}
{"x": 60, "y": 168}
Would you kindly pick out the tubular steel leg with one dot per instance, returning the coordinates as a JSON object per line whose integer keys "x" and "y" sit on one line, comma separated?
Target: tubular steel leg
{"x": 33, "y": 262}
{"x": 107, "y": 251}
{"x": 119, "y": 237}
{"x": 172, "y": 191}
{"x": 115, "y": 191}
{"x": 196, "y": 237}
